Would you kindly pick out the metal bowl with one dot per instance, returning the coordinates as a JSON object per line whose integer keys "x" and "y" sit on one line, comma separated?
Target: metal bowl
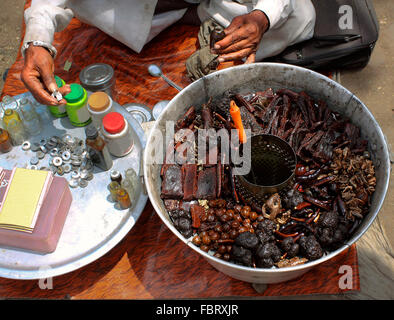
{"x": 256, "y": 77}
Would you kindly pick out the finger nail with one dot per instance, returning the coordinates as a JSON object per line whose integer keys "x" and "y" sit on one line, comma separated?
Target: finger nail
{"x": 216, "y": 46}
{"x": 221, "y": 60}
{"x": 52, "y": 87}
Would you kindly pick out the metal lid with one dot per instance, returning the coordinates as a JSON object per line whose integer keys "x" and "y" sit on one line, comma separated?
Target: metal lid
{"x": 114, "y": 174}
{"x": 91, "y": 132}
{"x": 159, "y": 108}
{"x": 96, "y": 76}
{"x": 140, "y": 112}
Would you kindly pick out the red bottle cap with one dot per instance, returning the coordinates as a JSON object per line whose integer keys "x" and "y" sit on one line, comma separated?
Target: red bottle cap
{"x": 113, "y": 122}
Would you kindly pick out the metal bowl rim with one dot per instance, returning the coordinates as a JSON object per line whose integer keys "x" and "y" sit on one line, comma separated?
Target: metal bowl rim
{"x": 307, "y": 265}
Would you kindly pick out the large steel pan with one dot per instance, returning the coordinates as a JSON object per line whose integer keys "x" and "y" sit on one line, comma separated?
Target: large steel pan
{"x": 257, "y": 77}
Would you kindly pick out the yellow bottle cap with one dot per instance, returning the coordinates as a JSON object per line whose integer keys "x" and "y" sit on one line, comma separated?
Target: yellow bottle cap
{"x": 98, "y": 101}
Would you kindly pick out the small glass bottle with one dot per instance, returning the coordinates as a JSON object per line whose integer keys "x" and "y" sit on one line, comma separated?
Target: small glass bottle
{"x": 131, "y": 176}
{"x": 10, "y": 103}
{"x": 10, "y": 114}
{"x": 113, "y": 187}
{"x": 30, "y": 118}
{"x": 98, "y": 150}
{"x": 5, "y": 141}
{"x": 123, "y": 198}
{"x": 116, "y": 176}
{"x": 126, "y": 184}
{"x": 16, "y": 131}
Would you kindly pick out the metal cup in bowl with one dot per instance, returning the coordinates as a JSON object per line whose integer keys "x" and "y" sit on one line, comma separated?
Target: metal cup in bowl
{"x": 272, "y": 168}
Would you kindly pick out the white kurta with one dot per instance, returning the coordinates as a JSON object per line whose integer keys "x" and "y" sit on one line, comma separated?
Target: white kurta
{"x": 134, "y": 23}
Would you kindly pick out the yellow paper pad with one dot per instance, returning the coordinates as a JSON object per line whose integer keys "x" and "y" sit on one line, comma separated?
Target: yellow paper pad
{"x": 21, "y": 205}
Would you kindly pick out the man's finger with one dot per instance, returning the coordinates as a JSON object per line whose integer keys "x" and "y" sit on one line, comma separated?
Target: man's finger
{"x": 229, "y": 40}
{"x": 239, "y": 55}
{"x": 38, "y": 91}
{"x": 242, "y": 44}
{"x": 251, "y": 58}
{"x": 48, "y": 77}
{"x": 64, "y": 90}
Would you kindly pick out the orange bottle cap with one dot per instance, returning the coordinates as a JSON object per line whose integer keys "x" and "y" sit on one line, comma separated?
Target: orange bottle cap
{"x": 98, "y": 101}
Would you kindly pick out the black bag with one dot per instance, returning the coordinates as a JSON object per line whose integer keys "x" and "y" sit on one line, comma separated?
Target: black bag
{"x": 344, "y": 37}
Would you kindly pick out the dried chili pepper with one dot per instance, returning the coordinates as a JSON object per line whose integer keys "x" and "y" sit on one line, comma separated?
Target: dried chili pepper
{"x": 302, "y": 205}
{"x": 236, "y": 116}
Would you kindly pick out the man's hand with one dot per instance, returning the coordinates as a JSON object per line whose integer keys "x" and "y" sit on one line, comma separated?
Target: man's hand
{"x": 243, "y": 36}
{"x": 37, "y": 75}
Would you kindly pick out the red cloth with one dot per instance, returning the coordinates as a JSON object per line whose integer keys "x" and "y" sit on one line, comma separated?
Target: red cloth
{"x": 158, "y": 260}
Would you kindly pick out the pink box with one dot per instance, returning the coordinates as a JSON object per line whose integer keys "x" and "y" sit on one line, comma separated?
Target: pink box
{"x": 50, "y": 221}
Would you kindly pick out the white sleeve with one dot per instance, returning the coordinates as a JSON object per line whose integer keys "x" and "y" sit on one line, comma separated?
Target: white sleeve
{"x": 277, "y": 11}
{"x": 44, "y": 18}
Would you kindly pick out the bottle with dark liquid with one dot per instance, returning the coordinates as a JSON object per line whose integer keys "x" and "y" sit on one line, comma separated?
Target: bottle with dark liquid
{"x": 5, "y": 141}
{"x": 98, "y": 150}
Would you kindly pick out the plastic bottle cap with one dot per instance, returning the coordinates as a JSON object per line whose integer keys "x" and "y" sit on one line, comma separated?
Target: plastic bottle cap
{"x": 91, "y": 132}
{"x": 113, "y": 122}
{"x": 98, "y": 101}
{"x": 59, "y": 82}
{"x": 76, "y": 93}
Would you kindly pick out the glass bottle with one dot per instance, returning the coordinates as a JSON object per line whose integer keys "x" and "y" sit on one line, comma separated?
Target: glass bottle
{"x": 98, "y": 150}
{"x": 113, "y": 187}
{"x": 16, "y": 131}
{"x": 30, "y": 118}
{"x": 10, "y": 103}
{"x": 9, "y": 115}
{"x": 126, "y": 184}
{"x": 5, "y": 141}
{"x": 131, "y": 176}
{"x": 116, "y": 176}
{"x": 123, "y": 198}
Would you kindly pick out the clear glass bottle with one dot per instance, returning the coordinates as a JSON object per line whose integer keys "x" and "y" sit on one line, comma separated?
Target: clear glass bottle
{"x": 16, "y": 131}
{"x": 5, "y": 141}
{"x": 131, "y": 176}
{"x": 30, "y": 118}
{"x": 10, "y": 103}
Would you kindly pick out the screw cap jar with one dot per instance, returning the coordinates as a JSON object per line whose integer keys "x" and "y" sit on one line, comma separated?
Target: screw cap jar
{"x": 98, "y": 77}
{"x": 99, "y": 104}
{"x": 58, "y": 111}
{"x": 117, "y": 133}
{"x": 76, "y": 108}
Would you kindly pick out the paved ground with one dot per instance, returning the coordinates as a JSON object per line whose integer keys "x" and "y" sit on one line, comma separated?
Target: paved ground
{"x": 373, "y": 85}
{"x": 11, "y": 14}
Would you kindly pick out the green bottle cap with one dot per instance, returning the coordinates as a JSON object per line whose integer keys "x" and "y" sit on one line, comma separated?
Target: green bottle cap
{"x": 59, "y": 81}
{"x": 76, "y": 93}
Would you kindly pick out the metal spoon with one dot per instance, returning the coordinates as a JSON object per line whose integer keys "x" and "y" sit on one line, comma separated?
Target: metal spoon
{"x": 155, "y": 71}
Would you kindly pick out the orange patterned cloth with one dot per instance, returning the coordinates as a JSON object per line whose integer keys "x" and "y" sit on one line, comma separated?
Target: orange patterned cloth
{"x": 151, "y": 262}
